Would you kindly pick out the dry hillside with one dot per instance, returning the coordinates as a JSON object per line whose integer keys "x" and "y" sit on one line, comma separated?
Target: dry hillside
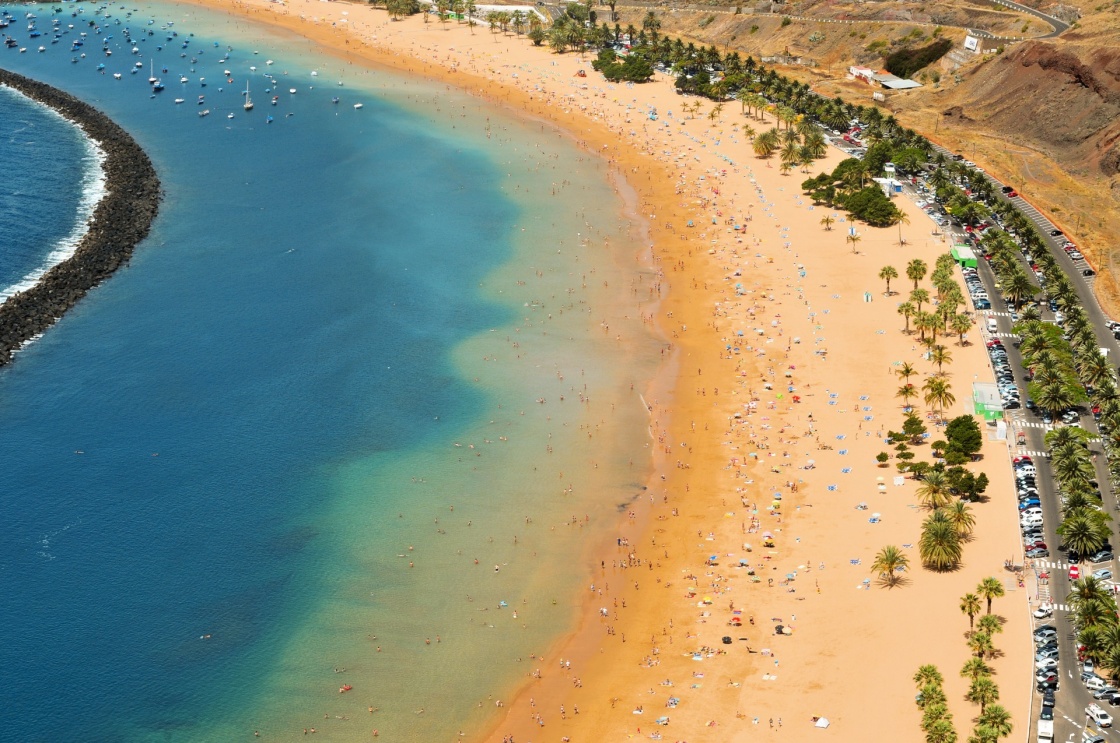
{"x": 1043, "y": 116}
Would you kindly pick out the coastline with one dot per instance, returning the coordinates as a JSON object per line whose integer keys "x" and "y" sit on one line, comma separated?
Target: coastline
{"x": 696, "y": 493}
{"x": 121, "y": 219}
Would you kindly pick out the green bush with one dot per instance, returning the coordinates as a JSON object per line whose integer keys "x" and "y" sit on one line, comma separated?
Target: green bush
{"x": 786, "y": 21}
{"x": 633, "y": 68}
{"x": 905, "y": 62}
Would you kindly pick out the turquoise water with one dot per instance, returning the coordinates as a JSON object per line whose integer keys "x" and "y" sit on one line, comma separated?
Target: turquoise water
{"x": 341, "y": 350}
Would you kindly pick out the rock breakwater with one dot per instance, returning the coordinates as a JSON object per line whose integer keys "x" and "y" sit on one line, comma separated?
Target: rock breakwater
{"x": 121, "y": 220}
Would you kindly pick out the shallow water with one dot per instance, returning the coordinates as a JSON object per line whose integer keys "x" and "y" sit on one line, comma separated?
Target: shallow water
{"x": 345, "y": 324}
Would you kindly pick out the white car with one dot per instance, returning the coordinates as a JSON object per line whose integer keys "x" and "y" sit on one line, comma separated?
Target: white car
{"x": 1095, "y": 713}
{"x": 1046, "y": 664}
{"x": 1046, "y": 610}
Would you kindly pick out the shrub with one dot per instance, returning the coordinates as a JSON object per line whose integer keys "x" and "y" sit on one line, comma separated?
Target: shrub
{"x": 905, "y": 62}
{"x": 786, "y": 21}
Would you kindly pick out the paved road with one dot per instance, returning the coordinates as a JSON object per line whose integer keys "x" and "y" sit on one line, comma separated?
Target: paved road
{"x": 1059, "y": 26}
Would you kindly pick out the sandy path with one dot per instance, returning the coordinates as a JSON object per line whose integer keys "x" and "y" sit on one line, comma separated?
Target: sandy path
{"x": 748, "y": 313}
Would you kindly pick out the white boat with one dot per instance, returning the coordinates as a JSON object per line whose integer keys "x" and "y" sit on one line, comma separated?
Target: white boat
{"x": 248, "y": 100}
{"x": 180, "y": 100}
{"x": 184, "y": 79}
{"x": 152, "y": 72}
{"x": 357, "y": 105}
{"x": 204, "y": 112}
{"x": 229, "y": 115}
{"x": 116, "y": 76}
{"x": 268, "y": 61}
{"x": 292, "y": 91}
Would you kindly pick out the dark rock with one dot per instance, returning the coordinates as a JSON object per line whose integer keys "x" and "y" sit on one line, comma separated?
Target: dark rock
{"x": 120, "y": 221}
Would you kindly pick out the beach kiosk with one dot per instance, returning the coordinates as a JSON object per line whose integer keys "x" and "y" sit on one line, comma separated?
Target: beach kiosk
{"x": 986, "y": 401}
{"x": 964, "y": 256}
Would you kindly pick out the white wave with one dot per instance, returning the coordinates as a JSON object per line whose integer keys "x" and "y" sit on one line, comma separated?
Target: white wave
{"x": 93, "y": 190}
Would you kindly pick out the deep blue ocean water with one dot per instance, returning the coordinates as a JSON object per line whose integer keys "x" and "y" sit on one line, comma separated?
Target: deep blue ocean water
{"x": 172, "y": 448}
{"x": 43, "y": 185}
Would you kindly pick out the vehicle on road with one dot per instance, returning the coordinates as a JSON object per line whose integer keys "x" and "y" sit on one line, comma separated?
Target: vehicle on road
{"x": 1044, "y": 611}
{"x": 1046, "y": 730}
{"x": 1074, "y": 572}
{"x": 1097, "y": 714}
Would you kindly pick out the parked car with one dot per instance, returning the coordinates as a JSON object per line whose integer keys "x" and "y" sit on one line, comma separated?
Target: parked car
{"x": 1101, "y": 556}
{"x": 1047, "y": 664}
{"x": 1074, "y": 572}
{"x": 1102, "y": 574}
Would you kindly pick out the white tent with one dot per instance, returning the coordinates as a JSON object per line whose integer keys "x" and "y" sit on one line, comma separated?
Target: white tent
{"x": 822, "y": 722}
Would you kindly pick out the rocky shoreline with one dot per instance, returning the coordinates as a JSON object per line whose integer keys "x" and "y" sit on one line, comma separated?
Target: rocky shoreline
{"x": 120, "y": 221}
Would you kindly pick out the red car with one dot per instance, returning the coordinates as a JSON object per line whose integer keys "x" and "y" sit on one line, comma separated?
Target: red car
{"x": 1074, "y": 572}
{"x": 1012, "y": 194}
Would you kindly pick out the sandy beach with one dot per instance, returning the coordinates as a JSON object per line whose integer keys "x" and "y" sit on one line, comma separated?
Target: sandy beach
{"x": 778, "y": 393}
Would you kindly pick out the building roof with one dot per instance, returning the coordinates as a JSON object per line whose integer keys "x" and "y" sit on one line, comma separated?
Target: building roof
{"x": 896, "y": 83}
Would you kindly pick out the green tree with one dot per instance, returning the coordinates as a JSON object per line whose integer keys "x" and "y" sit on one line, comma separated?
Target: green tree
{"x": 906, "y": 309}
{"x": 990, "y": 624}
{"x": 983, "y": 691}
{"x": 887, "y": 273}
{"x": 988, "y": 589}
{"x": 888, "y": 563}
{"x": 961, "y": 516}
{"x": 997, "y": 719}
{"x": 939, "y": 545}
{"x": 853, "y": 239}
{"x": 916, "y": 271}
{"x": 970, "y": 605}
{"x": 934, "y": 491}
{"x": 827, "y": 221}
{"x": 975, "y": 668}
{"x": 981, "y": 644}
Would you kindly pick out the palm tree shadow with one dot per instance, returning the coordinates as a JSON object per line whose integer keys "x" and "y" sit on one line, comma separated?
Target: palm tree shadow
{"x": 899, "y": 581}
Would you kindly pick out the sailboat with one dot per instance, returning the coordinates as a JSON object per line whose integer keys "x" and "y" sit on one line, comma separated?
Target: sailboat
{"x": 151, "y": 72}
{"x": 248, "y": 101}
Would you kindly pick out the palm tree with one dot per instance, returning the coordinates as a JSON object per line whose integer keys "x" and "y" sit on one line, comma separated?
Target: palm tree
{"x": 853, "y": 239}
{"x": 902, "y": 219}
{"x": 975, "y": 668}
{"x": 888, "y": 563}
{"x": 652, "y": 24}
{"x": 938, "y": 394}
{"x": 961, "y": 323}
{"x": 1088, "y": 589}
{"x": 827, "y": 221}
{"x": 997, "y": 719}
{"x": 906, "y": 392}
{"x": 939, "y": 545}
{"x": 961, "y": 516}
{"x": 887, "y": 273}
{"x": 940, "y": 356}
{"x": 906, "y": 309}
{"x": 928, "y": 674}
{"x": 916, "y": 271}
{"x": 983, "y": 692}
{"x": 970, "y": 605}
{"x": 1083, "y": 533}
{"x": 981, "y": 644}
{"x": 990, "y": 624}
{"x": 918, "y": 296}
{"x": 906, "y": 371}
{"x": 934, "y": 490}
{"x": 941, "y": 731}
{"x": 988, "y": 589}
